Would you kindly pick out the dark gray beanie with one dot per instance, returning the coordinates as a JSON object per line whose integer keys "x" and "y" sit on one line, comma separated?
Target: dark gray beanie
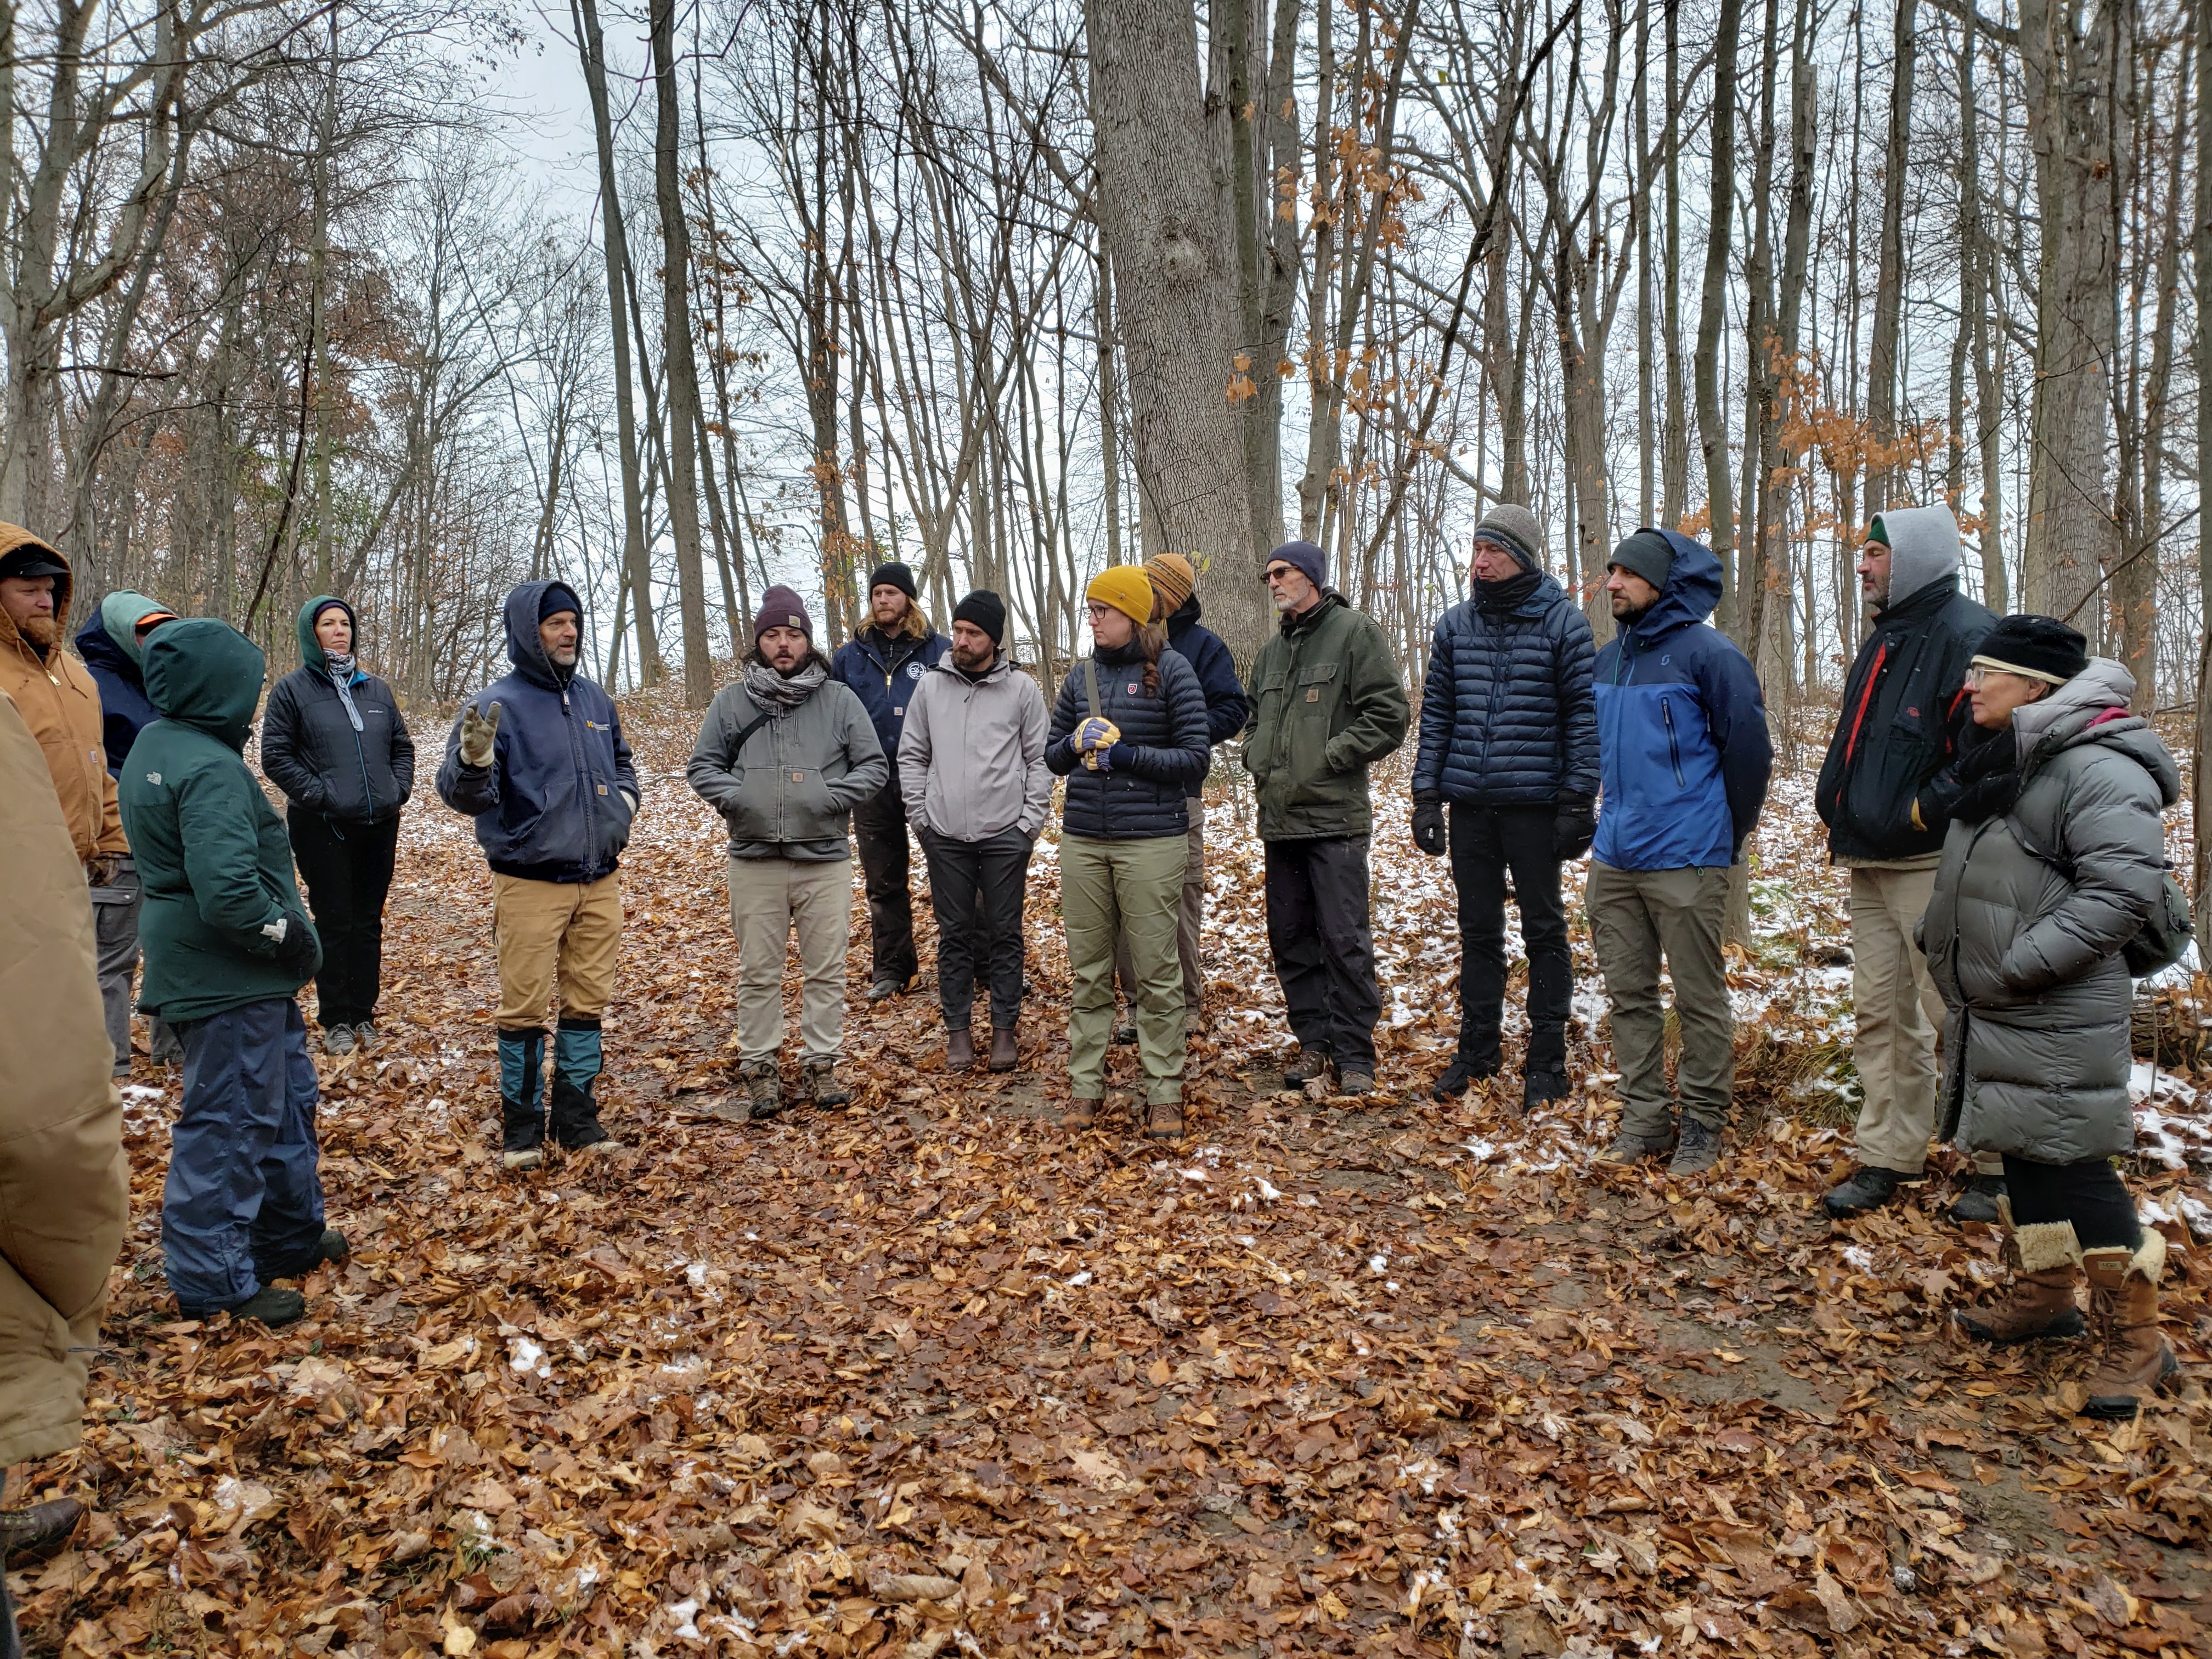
{"x": 1645, "y": 553}
{"x": 1514, "y": 528}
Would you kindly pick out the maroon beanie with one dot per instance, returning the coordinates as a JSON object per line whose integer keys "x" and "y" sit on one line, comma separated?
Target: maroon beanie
{"x": 780, "y": 607}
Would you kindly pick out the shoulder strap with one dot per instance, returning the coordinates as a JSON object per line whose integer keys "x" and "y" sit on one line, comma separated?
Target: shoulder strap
{"x": 745, "y": 736}
{"x": 1090, "y": 685}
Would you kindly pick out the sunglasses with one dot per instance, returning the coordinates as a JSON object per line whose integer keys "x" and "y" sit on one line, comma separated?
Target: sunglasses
{"x": 1275, "y": 573}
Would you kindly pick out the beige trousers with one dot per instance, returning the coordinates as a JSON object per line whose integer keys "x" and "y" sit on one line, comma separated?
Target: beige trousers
{"x": 543, "y": 931}
{"x": 769, "y": 898}
{"x": 1899, "y": 1011}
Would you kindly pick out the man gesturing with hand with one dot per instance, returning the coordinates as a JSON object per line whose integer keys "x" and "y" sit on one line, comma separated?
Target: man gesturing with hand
{"x": 1509, "y": 738}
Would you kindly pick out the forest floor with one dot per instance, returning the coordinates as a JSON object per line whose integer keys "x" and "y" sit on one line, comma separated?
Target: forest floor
{"x": 929, "y": 1374}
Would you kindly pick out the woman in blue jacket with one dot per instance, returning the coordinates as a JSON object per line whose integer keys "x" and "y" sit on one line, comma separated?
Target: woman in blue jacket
{"x": 332, "y": 740}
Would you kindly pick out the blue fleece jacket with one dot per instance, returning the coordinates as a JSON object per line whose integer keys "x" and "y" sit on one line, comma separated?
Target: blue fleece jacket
{"x": 1681, "y": 727}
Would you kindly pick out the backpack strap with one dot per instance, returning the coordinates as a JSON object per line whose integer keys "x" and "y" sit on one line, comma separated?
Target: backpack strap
{"x": 1090, "y": 685}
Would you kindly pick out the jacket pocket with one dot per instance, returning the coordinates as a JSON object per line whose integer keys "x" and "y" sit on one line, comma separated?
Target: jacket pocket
{"x": 809, "y": 813}
{"x": 752, "y": 812}
{"x": 1673, "y": 741}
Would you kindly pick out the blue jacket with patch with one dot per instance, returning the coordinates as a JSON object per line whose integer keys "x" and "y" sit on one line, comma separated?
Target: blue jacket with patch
{"x": 883, "y": 673}
{"x": 1682, "y": 740}
{"x": 557, "y": 802}
{"x": 1506, "y": 716}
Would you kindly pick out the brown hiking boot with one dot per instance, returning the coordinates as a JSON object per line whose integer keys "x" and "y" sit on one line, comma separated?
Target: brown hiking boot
{"x": 2123, "y": 1301}
{"x": 38, "y": 1529}
{"x": 1080, "y": 1114}
{"x": 1307, "y": 1064}
{"x": 1164, "y": 1121}
{"x": 960, "y": 1051}
{"x": 1006, "y": 1048}
{"x": 820, "y": 1078}
{"x": 2046, "y": 1264}
{"x": 763, "y": 1087}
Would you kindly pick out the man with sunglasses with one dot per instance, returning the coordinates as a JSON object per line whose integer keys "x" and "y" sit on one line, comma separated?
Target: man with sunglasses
{"x": 1886, "y": 793}
{"x": 1327, "y": 704}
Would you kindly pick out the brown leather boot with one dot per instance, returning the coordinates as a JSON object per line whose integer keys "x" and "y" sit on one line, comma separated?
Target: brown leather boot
{"x": 1081, "y": 1113}
{"x": 2123, "y": 1301}
{"x": 959, "y": 1050}
{"x": 2046, "y": 1264}
{"x": 1006, "y": 1048}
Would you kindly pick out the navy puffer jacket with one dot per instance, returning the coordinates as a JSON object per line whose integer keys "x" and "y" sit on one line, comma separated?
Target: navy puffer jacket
{"x": 1508, "y": 718}
{"x": 1162, "y": 758}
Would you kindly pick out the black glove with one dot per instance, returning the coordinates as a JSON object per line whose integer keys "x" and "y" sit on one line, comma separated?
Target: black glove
{"x": 1991, "y": 772}
{"x": 299, "y": 950}
{"x": 1428, "y": 824}
{"x": 1574, "y": 826}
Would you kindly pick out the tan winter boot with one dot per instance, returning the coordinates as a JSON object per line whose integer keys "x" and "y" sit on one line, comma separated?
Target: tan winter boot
{"x": 2045, "y": 1260}
{"x": 764, "y": 1086}
{"x": 2123, "y": 1301}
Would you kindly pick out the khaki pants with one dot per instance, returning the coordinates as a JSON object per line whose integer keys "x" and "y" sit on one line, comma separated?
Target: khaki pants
{"x": 545, "y": 931}
{"x": 1635, "y": 918}
{"x": 1190, "y": 917}
{"x": 1114, "y": 887}
{"x": 1899, "y": 1011}
{"x": 769, "y": 897}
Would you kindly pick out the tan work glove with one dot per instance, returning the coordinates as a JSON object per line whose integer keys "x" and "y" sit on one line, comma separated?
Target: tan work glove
{"x": 478, "y": 733}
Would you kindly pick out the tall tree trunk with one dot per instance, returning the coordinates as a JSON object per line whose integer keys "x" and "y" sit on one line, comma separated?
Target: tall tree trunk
{"x": 2201, "y": 264}
{"x": 1174, "y": 267}
{"x": 1675, "y": 453}
{"x": 1978, "y": 284}
{"x": 1712, "y": 307}
{"x": 1889, "y": 278}
{"x": 2137, "y": 580}
{"x": 1646, "y": 451}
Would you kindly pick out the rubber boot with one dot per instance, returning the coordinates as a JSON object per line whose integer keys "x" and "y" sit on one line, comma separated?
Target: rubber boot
{"x": 2123, "y": 1301}
{"x": 2045, "y": 1260}
{"x": 576, "y": 1064}
{"x": 522, "y": 1097}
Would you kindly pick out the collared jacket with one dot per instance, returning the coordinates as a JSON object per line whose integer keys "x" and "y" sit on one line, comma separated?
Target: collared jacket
{"x": 1162, "y": 758}
{"x": 557, "y": 800}
{"x": 785, "y": 785}
{"x": 2030, "y": 911}
{"x": 883, "y": 673}
{"x": 108, "y": 645}
{"x": 971, "y": 758}
{"x": 1227, "y": 708}
{"x": 64, "y": 1182}
{"x": 1508, "y": 716}
{"x": 214, "y": 860}
{"x": 312, "y": 749}
{"x": 57, "y": 697}
{"x": 1683, "y": 747}
{"x": 1327, "y": 704}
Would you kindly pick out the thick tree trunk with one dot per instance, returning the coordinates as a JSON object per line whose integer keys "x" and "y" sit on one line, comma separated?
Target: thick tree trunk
{"x": 1175, "y": 274}
{"x": 2201, "y": 261}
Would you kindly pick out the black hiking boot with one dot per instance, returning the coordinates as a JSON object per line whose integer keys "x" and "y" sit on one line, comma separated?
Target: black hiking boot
{"x": 1870, "y": 1188}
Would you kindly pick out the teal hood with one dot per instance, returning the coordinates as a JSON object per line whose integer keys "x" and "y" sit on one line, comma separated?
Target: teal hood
{"x": 205, "y": 674}
{"x": 120, "y": 613}
{"x": 312, "y": 655}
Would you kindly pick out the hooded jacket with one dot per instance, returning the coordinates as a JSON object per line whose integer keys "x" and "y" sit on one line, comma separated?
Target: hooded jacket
{"x": 1160, "y": 761}
{"x": 108, "y": 643}
{"x": 310, "y": 749}
{"x": 1227, "y": 708}
{"x": 971, "y": 758}
{"x": 1905, "y": 717}
{"x": 63, "y": 1197}
{"x": 883, "y": 673}
{"x": 557, "y": 802}
{"x": 2025, "y": 927}
{"x": 214, "y": 861}
{"x": 1327, "y": 704}
{"x": 1508, "y": 718}
{"x": 787, "y": 786}
{"x": 1683, "y": 747}
{"x": 59, "y": 702}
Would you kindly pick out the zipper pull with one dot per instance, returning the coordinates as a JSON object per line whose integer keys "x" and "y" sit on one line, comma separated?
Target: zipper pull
{"x": 565, "y": 702}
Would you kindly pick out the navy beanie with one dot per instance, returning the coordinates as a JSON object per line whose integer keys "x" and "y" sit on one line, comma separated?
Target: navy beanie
{"x": 1309, "y": 559}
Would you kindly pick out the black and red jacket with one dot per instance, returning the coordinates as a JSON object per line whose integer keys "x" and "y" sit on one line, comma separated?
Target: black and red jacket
{"x": 1904, "y": 719}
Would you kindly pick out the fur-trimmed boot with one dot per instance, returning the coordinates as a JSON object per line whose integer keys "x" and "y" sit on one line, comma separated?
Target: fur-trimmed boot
{"x": 522, "y": 1097}
{"x": 576, "y": 1064}
{"x": 2123, "y": 1301}
{"x": 2045, "y": 1260}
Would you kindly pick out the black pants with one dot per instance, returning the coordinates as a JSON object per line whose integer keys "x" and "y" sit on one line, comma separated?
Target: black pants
{"x": 1324, "y": 950}
{"x": 1486, "y": 843}
{"x": 880, "y": 827}
{"x": 348, "y": 870}
{"x": 2089, "y": 1194}
{"x": 975, "y": 887}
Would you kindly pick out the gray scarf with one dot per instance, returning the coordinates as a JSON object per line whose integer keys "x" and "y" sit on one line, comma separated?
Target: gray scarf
{"x": 341, "y": 667}
{"x": 780, "y": 694}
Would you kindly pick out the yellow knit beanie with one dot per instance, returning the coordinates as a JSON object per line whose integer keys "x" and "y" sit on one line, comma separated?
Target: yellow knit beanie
{"x": 1170, "y": 573}
{"x": 1123, "y": 586}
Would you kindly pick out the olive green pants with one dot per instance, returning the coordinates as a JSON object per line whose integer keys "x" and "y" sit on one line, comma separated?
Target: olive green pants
{"x": 1637, "y": 919}
{"x": 1133, "y": 888}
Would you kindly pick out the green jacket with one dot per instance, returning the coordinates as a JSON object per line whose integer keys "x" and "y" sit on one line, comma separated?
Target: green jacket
{"x": 213, "y": 859}
{"x": 1327, "y": 704}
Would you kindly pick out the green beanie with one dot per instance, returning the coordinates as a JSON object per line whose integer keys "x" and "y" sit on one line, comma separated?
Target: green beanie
{"x": 1877, "y": 532}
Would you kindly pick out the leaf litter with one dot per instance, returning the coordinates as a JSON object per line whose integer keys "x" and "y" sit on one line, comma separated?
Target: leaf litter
{"x": 929, "y": 1376}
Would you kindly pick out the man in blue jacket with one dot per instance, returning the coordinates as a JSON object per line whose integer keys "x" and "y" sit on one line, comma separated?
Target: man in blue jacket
{"x": 538, "y": 758}
{"x": 1508, "y": 737}
{"x": 1685, "y": 757}
{"x": 883, "y": 664}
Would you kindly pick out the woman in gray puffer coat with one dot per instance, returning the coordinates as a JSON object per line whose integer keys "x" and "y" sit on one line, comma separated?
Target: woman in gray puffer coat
{"x": 2054, "y": 860}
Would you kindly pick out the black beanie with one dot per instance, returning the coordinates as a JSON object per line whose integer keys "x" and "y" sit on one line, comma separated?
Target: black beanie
{"x": 1645, "y": 553}
{"x": 2041, "y": 647}
{"x": 986, "y": 611}
{"x": 894, "y": 575}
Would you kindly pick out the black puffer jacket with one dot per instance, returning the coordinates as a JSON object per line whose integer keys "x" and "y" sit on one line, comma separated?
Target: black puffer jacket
{"x": 1162, "y": 758}
{"x": 1508, "y": 717}
{"x": 310, "y": 750}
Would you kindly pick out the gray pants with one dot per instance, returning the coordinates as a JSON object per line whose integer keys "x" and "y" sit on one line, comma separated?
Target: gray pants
{"x": 115, "y": 942}
{"x": 770, "y": 900}
{"x": 1636, "y": 917}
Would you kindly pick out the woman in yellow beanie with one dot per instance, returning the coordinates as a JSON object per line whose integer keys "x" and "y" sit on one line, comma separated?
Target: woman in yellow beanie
{"x": 1129, "y": 734}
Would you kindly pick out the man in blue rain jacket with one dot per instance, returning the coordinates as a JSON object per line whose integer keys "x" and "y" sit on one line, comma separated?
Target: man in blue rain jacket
{"x": 1684, "y": 760}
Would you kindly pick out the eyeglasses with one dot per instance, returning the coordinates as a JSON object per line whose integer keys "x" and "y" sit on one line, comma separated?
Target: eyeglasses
{"x": 1097, "y": 610}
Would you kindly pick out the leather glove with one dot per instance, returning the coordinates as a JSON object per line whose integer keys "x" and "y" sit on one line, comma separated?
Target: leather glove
{"x": 1428, "y": 824}
{"x": 476, "y": 735}
{"x": 1574, "y": 826}
{"x": 1095, "y": 734}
